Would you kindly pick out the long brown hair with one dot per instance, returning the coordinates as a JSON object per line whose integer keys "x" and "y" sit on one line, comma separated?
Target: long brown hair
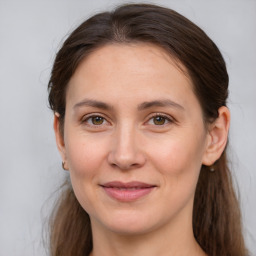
{"x": 216, "y": 214}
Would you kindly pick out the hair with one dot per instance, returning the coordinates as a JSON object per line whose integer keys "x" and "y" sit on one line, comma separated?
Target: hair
{"x": 216, "y": 214}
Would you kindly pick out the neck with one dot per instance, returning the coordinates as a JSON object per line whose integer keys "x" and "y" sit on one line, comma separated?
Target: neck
{"x": 175, "y": 239}
{"x": 145, "y": 245}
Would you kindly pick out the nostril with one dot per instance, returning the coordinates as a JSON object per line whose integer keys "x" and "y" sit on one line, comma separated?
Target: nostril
{"x": 125, "y": 167}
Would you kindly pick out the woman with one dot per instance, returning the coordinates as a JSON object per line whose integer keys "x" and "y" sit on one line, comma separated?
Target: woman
{"x": 141, "y": 123}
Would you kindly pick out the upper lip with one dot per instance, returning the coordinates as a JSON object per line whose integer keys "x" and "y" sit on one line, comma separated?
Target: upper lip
{"x": 132, "y": 184}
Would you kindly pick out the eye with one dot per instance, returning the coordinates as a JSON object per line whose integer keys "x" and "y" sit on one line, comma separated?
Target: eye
{"x": 97, "y": 120}
{"x": 159, "y": 120}
{"x": 94, "y": 120}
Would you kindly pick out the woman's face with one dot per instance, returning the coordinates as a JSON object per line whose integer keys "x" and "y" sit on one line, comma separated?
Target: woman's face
{"x": 134, "y": 139}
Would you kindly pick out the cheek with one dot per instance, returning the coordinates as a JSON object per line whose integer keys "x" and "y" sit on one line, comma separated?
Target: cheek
{"x": 84, "y": 155}
{"x": 179, "y": 163}
{"x": 178, "y": 158}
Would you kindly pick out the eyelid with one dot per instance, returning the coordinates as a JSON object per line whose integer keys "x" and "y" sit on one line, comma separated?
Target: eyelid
{"x": 169, "y": 118}
{"x": 86, "y": 117}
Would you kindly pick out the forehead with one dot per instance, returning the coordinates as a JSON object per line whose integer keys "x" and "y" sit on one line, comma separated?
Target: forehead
{"x": 144, "y": 70}
{"x": 133, "y": 55}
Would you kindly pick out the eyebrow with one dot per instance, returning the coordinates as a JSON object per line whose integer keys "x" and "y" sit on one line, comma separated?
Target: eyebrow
{"x": 93, "y": 103}
{"x": 160, "y": 103}
{"x": 142, "y": 106}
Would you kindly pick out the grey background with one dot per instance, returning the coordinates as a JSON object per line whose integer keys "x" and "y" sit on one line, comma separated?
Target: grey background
{"x": 30, "y": 166}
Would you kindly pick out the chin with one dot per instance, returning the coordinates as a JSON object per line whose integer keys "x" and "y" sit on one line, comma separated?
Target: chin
{"x": 131, "y": 223}
{"x": 127, "y": 229}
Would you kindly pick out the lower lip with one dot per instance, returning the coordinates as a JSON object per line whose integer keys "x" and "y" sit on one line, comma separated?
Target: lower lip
{"x": 127, "y": 195}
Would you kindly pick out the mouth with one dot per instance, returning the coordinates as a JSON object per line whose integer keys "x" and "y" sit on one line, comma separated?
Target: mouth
{"x": 127, "y": 192}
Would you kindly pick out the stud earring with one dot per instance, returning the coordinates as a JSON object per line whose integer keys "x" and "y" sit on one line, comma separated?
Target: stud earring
{"x": 212, "y": 169}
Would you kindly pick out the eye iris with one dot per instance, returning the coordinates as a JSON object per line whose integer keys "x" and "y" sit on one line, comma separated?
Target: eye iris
{"x": 159, "y": 120}
{"x": 97, "y": 120}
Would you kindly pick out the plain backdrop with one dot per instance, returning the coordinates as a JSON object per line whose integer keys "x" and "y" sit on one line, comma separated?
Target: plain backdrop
{"x": 31, "y": 32}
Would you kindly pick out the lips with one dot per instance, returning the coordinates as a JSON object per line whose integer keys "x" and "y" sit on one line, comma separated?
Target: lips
{"x": 127, "y": 192}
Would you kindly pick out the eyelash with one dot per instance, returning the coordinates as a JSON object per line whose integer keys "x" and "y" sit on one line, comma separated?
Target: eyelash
{"x": 167, "y": 120}
{"x": 88, "y": 117}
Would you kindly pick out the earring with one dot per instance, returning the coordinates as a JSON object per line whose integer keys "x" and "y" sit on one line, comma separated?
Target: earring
{"x": 212, "y": 169}
{"x": 63, "y": 166}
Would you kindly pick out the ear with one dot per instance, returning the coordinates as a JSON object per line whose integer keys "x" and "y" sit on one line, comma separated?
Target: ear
{"x": 59, "y": 138}
{"x": 217, "y": 137}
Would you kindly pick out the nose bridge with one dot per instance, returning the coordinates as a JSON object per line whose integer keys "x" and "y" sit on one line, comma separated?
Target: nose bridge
{"x": 125, "y": 152}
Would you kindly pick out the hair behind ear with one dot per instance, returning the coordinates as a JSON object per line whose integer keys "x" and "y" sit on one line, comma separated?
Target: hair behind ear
{"x": 70, "y": 226}
{"x": 216, "y": 214}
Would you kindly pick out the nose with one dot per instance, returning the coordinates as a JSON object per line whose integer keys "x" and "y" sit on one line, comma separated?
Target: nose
{"x": 125, "y": 150}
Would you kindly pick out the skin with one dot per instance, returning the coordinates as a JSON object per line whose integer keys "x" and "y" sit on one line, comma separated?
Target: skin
{"x": 130, "y": 142}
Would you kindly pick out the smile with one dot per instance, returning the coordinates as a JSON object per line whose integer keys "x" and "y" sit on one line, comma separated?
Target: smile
{"x": 127, "y": 192}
